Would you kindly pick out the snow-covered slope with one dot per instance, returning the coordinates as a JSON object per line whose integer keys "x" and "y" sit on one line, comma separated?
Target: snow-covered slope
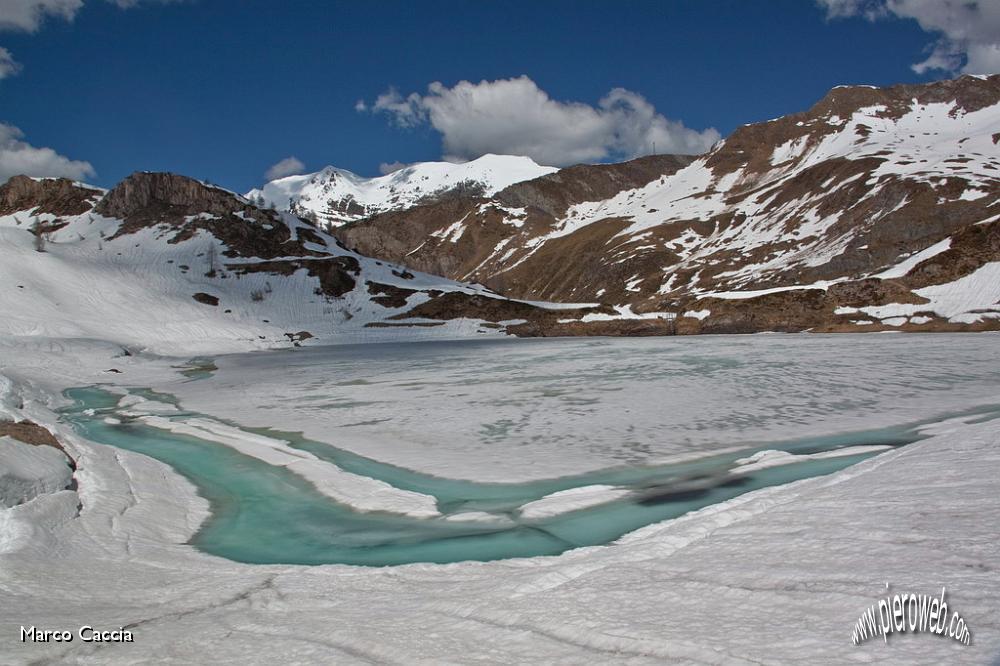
{"x": 336, "y": 196}
{"x": 167, "y": 263}
{"x": 883, "y": 193}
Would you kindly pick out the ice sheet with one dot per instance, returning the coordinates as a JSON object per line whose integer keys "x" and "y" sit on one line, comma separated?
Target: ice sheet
{"x": 775, "y": 576}
{"x": 525, "y": 409}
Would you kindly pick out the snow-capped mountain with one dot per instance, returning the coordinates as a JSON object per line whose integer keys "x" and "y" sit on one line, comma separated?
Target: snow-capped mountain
{"x": 336, "y": 196}
{"x": 876, "y": 209}
{"x": 167, "y": 263}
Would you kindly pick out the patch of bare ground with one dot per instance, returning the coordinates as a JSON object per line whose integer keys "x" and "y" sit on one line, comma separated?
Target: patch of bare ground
{"x": 532, "y": 321}
{"x": 616, "y": 327}
{"x": 971, "y": 248}
{"x": 473, "y": 306}
{"x": 34, "y": 434}
{"x": 336, "y": 274}
{"x": 387, "y": 295}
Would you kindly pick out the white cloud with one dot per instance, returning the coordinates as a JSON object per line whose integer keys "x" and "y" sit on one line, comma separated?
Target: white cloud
{"x": 19, "y": 157}
{"x": 516, "y": 117}
{"x": 968, "y": 30}
{"x": 870, "y": 9}
{"x": 385, "y": 168}
{"x": 28, "y": 15}
{"x": 289, "y": 166}
{"x": 128, "y": 4}
{"x": 8, "y": 66}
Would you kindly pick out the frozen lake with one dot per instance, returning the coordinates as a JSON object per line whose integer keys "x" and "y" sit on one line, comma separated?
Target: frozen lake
{"x": 389, "y": 454}
{"x": 512, "y": 410}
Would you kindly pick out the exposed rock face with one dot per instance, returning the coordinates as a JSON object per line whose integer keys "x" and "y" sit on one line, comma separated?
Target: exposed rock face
{"x": 523, "y": 319}
{"x": 840, "y": 194}
{"x": 148, "y": 196}
{"x": 181, "y": 206}
{"x": 56, "y": 196}
{"x": 971, "y": 248}
{"x": 554, "y": 193}
{"x": 469, "y": 239}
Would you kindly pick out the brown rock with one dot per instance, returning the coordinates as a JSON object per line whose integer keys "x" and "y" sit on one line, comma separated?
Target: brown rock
{"x": 57, "y": 196}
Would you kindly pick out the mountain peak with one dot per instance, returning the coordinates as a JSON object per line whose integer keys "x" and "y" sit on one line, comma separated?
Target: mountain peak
{"x": 337, "y": 196}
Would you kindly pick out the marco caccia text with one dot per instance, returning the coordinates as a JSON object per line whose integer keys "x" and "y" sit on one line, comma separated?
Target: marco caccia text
{"x": 85, "y": 634}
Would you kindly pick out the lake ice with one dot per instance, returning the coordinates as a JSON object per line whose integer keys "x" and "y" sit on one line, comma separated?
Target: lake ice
{"x": 779, "y": 574}
{"x": 632, "y": 432}
{"x": 513, "y": 410}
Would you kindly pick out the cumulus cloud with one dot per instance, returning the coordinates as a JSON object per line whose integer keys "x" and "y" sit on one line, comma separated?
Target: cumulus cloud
{"x": 28, "y": 15}
{"x": 968, "y": 30}
{"x": 19, "y": 157}
{"x": 516, "y": 117}
{"x": 8, "y": 66}
{"x": 290, "y": 166}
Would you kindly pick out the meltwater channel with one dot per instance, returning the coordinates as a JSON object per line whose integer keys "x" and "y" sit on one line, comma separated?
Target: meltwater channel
{"x": 266, "y": 514}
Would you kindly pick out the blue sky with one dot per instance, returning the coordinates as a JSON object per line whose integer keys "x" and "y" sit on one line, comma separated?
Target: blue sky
{"x": 223, "y": 90}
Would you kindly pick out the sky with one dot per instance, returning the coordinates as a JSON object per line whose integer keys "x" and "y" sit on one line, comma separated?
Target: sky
{"x": 236, "y": 91}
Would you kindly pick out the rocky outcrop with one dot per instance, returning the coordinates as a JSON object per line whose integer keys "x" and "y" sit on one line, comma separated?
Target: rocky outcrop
{"x": 179, "y": 207}
{"x": 148, "y": 196}
{"x": 29, "y": 433}
{"x": 56, "y": 196}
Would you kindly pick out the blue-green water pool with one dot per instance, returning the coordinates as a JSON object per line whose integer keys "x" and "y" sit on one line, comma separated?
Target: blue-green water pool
{"x": 261, "y": 513}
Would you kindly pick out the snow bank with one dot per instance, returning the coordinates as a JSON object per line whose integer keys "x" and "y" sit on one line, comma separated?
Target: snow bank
{"x": 8, "y": 400}
{"x": 774, "y": 458}
{"x": 27, "y": 471}
{"x": 359, "y": 492}
{"x": 573, "y": 499}
{"x": 908, "y": 264}
{"x": 968, "y": 299}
